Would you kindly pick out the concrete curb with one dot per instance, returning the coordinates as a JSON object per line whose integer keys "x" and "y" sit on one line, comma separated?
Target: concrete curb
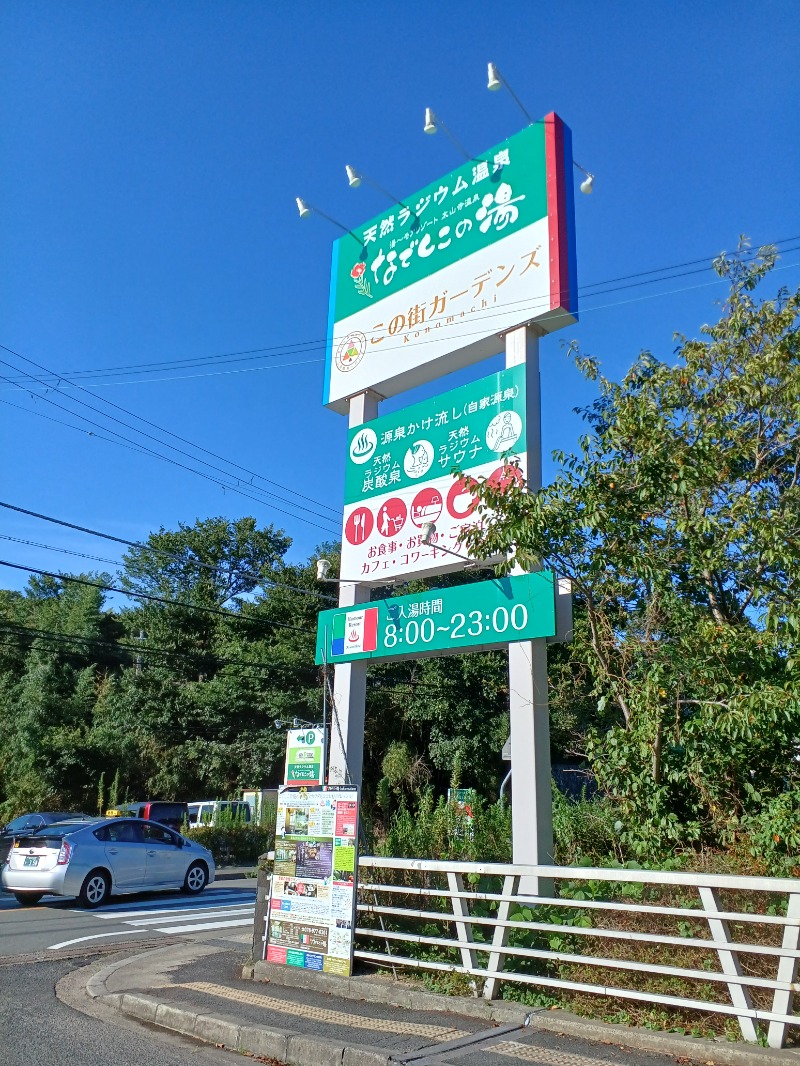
{"x": 285, "y": 1045}
{"x": 720, "y": 1052}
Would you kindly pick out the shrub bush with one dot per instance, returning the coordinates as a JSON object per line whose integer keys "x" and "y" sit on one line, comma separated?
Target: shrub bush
{"x": 234, "y": 845}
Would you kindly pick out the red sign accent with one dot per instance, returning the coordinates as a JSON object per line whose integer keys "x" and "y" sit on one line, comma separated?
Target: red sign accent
{"x": 460, "y": 499}
{"x": 359, "y": 525}
{"x": 427, "y": 507}
{"x": 391, "y": 517}
{"x": 504, "y": 477}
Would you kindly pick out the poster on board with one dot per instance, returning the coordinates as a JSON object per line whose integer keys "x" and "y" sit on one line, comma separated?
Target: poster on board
{"x": 313, "y": 893}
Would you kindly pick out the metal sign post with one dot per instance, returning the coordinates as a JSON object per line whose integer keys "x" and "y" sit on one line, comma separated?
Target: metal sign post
{"x": 350, "y": 679}
{"x": 532, "y": 806}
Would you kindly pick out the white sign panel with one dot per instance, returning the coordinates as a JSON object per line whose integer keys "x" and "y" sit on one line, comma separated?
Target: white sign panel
{"x": 428, "y": 286}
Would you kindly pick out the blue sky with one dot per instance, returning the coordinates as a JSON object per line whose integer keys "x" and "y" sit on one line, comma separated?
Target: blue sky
{"x": 149, "y": 160}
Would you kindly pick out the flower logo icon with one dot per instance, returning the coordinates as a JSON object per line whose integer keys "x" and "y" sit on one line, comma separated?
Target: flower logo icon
{"x": 360, "y": 282}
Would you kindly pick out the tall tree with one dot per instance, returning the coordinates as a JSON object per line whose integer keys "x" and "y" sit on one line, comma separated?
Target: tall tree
{"x": 211, "y": 562}
{"x": 679, "y": 524}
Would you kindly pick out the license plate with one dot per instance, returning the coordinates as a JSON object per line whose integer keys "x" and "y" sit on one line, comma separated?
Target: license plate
{"x": 31, "y": 860}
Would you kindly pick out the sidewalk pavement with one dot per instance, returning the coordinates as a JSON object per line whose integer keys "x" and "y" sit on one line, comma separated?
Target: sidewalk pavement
{"x": 201, "y": 990}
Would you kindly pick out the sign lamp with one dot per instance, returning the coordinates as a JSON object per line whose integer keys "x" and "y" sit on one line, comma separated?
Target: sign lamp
{"x": 434, "y": 123}
{"x": 497, "y": 81}
{"x": 306, "y": 210}
{"x": 429, "y": 532}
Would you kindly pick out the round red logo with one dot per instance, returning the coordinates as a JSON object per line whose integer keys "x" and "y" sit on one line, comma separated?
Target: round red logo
{"x": 359, "y": 525}
{"x": 391, "y": 517}
{"x": 426, "y": 507}
{"x": 460, "y": 499}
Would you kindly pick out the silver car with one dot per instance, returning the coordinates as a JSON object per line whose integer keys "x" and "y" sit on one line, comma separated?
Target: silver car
{"x": 92, "y": 860}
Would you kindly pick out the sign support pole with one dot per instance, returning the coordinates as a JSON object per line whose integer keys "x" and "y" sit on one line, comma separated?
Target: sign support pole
{"x": 532, "y": 803}
{"x": 350, "y": 679}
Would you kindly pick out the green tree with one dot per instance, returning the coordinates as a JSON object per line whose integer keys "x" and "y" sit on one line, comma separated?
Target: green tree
{"x": 678, "y": 522}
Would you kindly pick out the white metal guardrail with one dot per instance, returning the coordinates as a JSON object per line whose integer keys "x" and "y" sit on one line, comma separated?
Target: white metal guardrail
{"x": 737, "y": 937}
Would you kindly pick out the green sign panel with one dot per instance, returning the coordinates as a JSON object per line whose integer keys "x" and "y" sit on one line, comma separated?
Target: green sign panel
{"x": 477, "y": 617}
{"x": 430, "y": 285}
{"x": 304, "y": 754}
{"x": 472, "y": 207}
{"x": 466, "y": 427}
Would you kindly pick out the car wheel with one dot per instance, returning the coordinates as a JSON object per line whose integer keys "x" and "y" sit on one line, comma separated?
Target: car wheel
{"x": 196, "y": 878}
{"x": 28, "y": 899}
{"x": 95, "y": 889}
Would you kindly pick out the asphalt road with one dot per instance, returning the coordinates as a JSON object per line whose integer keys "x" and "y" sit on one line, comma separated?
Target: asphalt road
{"x": 37, "y": 1028}
{"x": 222, "y": 911}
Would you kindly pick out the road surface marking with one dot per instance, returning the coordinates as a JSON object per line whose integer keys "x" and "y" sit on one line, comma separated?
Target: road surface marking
{"x": 171, "y": 911}
{"x": 205, "y": 925}
{"x": 240, "y": 912}
{"x": 206, "y": 903}
{"x": 97, "y": 936}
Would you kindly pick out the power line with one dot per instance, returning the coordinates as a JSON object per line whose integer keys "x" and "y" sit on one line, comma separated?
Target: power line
{"x": 174, "y": 462}
{"x": 301, "y": 347}
{"x": 175, "y": 436}
{"x": 155, "y": 599}
{"x": 64, "y": 551}
{"x": 144, "y": 649}
{"x": 147, "y": 547}
{"x": 503, "y": 308}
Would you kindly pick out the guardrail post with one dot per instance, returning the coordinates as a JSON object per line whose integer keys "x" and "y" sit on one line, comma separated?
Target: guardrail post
{"x": 783, "y": 1000}
{"x": 500, "y": 938}
{"x": 455, "y": 882}
{"x": 720, "y": 934}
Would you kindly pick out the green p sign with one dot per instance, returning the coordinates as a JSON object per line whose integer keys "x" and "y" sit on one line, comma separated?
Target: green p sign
{"x": 304, "y": 755}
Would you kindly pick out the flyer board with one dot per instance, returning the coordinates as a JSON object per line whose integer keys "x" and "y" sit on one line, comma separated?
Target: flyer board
{"x": 313, "y": 892}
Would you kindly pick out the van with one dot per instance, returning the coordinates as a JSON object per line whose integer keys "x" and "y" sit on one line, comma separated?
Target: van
{"x": 166, "y": 812}
{"x": 206, "y": 812}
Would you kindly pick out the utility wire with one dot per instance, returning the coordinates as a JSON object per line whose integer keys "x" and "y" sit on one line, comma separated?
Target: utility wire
{"x": 168, "y": 432}
{"x": 165, "y": 458}
{"x": 14, "y": 629}
{"x": 301, "y": 347}
{"x": 144, "y": 649}
{"x": 63, "y": 551}
{"x": 155, "y": 599}
{"x": 146, "y": 547}
{"x": 502, "y": 310}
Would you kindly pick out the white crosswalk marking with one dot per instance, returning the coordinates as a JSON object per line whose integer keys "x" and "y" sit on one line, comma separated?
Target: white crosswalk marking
{"x": 240, "y": 912}
{"x": 219, "y": 910}
{"x": 205, "y": 925}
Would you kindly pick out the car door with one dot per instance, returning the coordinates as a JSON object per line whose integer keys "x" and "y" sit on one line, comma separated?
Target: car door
{"x": 166, "y": 863}
{"x": 125, "y": 853}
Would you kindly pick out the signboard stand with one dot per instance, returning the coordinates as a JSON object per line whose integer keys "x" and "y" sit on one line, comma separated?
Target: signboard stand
{"x": 350, "y": 679}
{"x": 492, "y": 256}
{"x": 312, "y": 904}
{"x": 532, "y": 809}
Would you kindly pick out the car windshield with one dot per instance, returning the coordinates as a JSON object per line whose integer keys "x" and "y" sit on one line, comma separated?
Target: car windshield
{"x": 43, "y": 839}
{"x": 25, "y": 821}
{"x": 58, "y": 829}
